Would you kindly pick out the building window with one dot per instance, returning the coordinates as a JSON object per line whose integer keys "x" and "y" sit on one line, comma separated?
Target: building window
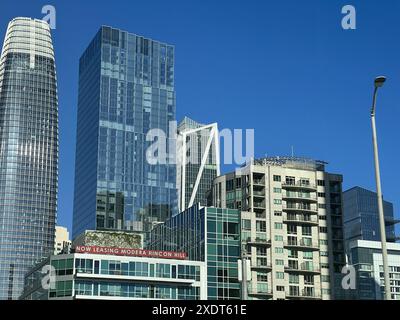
{"x": 321, "y": 194}
{"x": 323, "y": 229}
{"x": 261, "y": 262}
{"x": 229, "y": 185}
{"x": 321, "y": 183}
{"x": 306, "y": 230}
{"x": 246, "y": 224}
{"x": 292, "y": 253}
{"x": 278, "y": 238}
{"x": 278, "y": 225}
{"x": 309, "y": 279}
{"x": 278, "y": 213}
{"x": 280, "y": 275}
{"x": 291, "y": 229}
{"x": 277, "y": 201}
{"x": 261, "y": 226}
{"x": 277, "y": 178}
{"x": 262, "y": 277}
{"x": 277, "y": 190}
{"x": 294, "y": 278}
{"x": 307, "y": 255}
{"x": 321, "y": 205}
{"x": 279, "y": 262}
{"x": 279, "y": 250}
{"x": 261, "y": 251}
{"x": 280, "y": 288}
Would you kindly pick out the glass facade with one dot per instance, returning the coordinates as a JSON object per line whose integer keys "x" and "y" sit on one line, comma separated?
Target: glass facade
{"x": 366, "y": 256}
{"x": 361, "y": 216}
{"x": 28, "y": 151}
{"x": 82, "y": 276}
{"x": 126, "y": 88}
{"x": 205, "y": 234}
{"x": 196, "y": 137}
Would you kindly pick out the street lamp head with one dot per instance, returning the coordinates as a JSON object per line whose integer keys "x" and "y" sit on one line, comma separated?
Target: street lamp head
{"x": 379, "y": 81}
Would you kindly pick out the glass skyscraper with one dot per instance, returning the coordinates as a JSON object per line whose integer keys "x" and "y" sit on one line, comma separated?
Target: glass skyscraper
{"x": 28, "y": 151}
{"x": 126, "y": 88}
{"x": 198, "y": 161}
{"x": 361, "y": 217}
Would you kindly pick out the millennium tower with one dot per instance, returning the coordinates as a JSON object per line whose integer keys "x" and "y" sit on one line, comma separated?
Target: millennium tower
{"x": 28, "y": 151}
{"x": 126, "y": 89}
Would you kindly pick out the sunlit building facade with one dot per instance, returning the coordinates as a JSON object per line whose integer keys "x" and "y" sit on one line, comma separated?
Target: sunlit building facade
{"x": 126, "y": 88}
{"x": 28, "y": 151}
{"x": 291, "y": 226}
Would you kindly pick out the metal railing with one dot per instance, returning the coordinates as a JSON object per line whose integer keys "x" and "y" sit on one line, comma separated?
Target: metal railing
{"x": 299, "y": 184}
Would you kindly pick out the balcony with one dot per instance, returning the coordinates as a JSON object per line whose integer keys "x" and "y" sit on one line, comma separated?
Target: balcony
{"x": 259, "y": 182}
{"x": 258, "y": 194}
{"x": 259, "y": 204}
{"x": 299, "y": 186}
{"x": 304, "y": 268}
{"x": 263, "y": 293}
{"x": 297, "y": 196}
{"x": 300, "y": 219}
{"x": 259, "y": 242}
{"x": 300, "y": 208}
{"x": 262, "y": 267}
{"x": 302, "y": 245}
{"x": 303, "y": 295}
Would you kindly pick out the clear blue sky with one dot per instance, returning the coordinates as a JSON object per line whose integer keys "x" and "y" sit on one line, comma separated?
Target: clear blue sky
{"x": 285, "y": 68}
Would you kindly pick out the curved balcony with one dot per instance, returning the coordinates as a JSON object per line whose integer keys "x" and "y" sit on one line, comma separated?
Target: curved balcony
{"x": 301, "y": 220}
{"x": 263, "y": 294}
{"x": 262, "y": 267}
{"x": 303, "y": 295}
{"x": 259, "y": 242}
{"x": 304, "y": 268}
{"x": 302, "y": 245}
{"x": 300, "y": 208}
{"x": 299, "y": 186}
{"x": 258, "y": 194}
{"x": 303, "y": 198}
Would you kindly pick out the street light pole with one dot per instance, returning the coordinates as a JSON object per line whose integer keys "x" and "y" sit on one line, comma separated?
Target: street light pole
{"x": 244, "y": 278}
{"x": 379, "y": 83}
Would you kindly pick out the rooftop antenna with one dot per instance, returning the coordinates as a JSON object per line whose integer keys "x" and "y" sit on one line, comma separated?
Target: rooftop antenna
{"x": 292, "y": 152}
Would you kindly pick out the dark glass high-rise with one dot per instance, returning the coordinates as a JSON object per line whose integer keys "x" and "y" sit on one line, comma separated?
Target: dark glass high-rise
{"x": 126, "y": 88}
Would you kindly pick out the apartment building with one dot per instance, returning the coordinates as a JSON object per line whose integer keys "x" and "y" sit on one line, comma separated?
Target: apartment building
{"x": 291, "y": 226}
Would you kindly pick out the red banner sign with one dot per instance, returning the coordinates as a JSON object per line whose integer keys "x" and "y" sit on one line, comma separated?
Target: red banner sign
{"x": 131, "y": 252}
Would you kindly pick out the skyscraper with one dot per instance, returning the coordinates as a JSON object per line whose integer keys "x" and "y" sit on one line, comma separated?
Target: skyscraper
{"x": 361, "y": 217}
{"x": 198, "y": 161}
{"x": 126, "y": 88}
{"x": 28, "y": 151}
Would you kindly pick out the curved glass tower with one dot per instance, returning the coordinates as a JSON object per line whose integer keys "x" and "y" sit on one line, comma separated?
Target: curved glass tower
{"x": 28, "y": 151}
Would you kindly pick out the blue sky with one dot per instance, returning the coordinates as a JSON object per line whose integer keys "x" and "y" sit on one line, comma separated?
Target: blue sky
{"x": 285, "y": 68}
